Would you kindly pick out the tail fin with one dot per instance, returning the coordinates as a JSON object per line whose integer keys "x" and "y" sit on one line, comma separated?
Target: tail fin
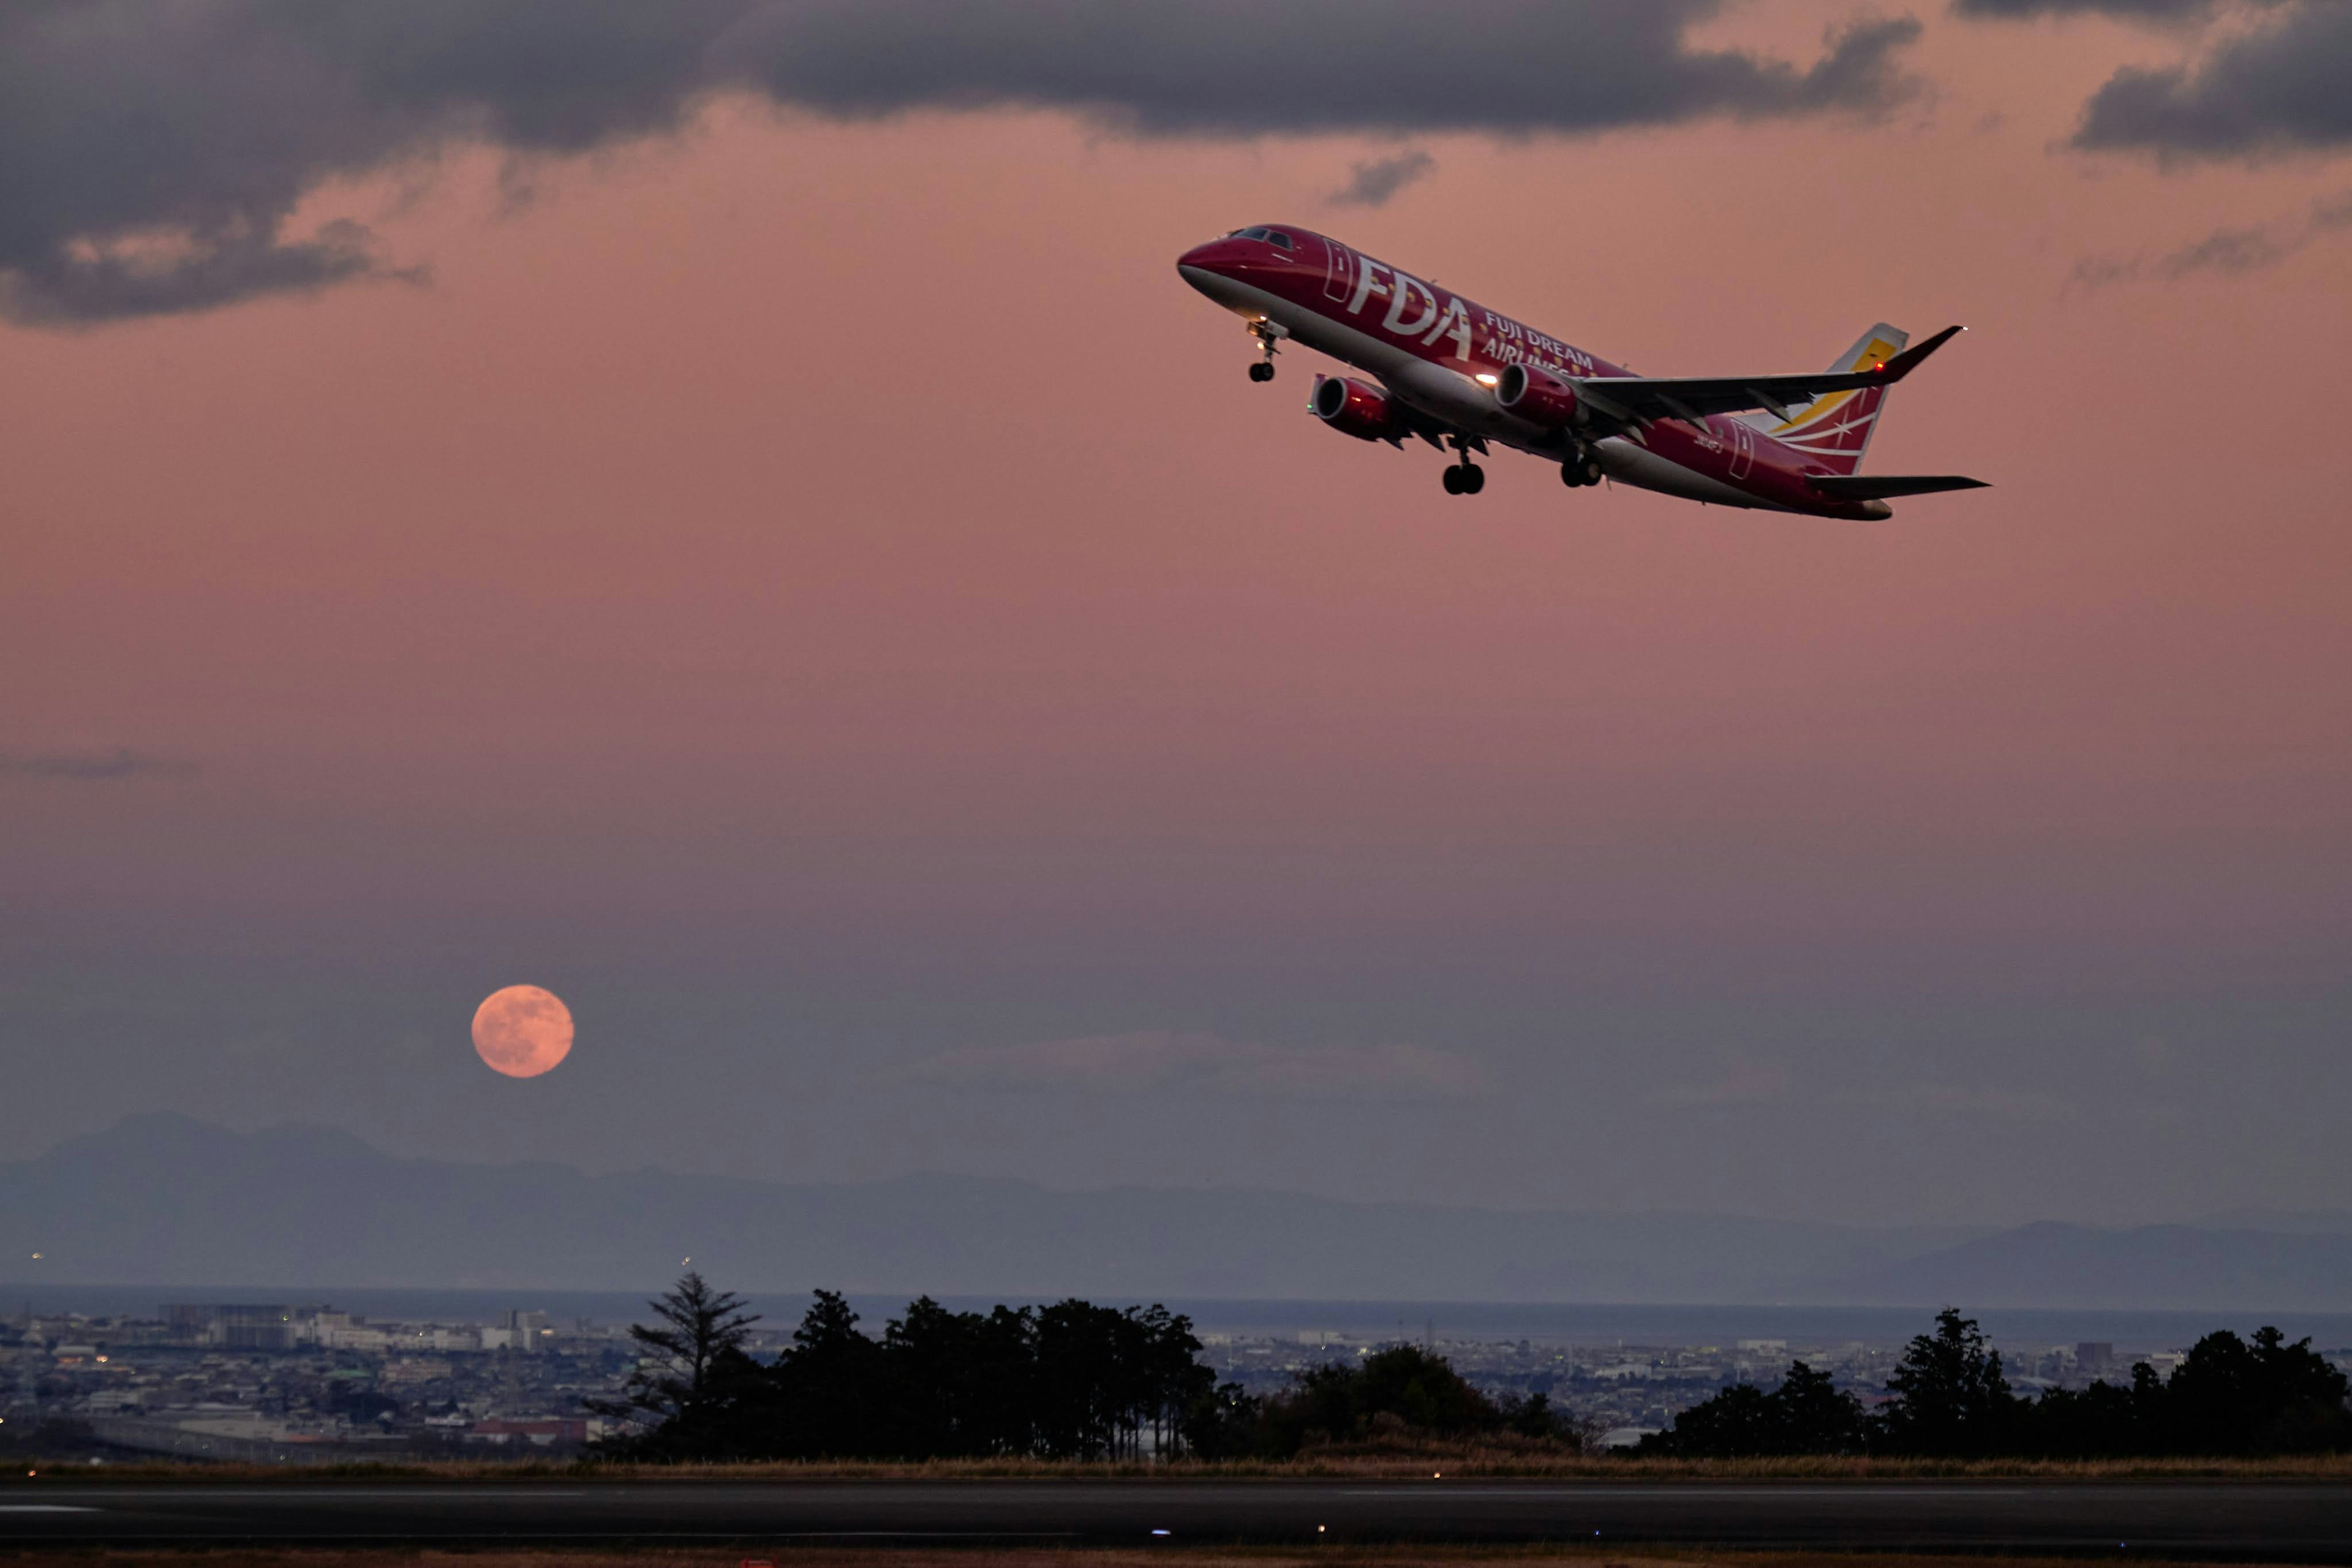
{"x": 1835, "y": 430}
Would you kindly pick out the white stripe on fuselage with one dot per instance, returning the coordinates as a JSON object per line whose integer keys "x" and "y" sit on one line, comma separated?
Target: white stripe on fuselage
{"x": 1458, "y": 400}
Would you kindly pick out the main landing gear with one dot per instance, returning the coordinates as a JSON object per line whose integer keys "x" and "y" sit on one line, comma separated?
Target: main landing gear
{"x": 1464, "y": 478}
{"x": 1581, "y": 468}
{"x": 1267, "y": 334}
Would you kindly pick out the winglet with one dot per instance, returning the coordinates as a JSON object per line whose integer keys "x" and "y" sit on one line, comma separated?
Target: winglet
{"x": 1906, "y": 361}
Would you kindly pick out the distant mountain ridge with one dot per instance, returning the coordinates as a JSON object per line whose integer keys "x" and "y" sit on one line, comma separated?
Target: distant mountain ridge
{"x": 165, "y": 1200}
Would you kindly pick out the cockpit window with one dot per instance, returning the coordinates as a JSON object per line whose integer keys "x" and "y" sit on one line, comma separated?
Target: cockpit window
{"x": 1278, "y": 237}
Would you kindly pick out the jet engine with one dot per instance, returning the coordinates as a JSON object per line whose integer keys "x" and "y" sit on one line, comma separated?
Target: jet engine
{"x": 1356, "y": 408}
{"x": 1539, "y": 397}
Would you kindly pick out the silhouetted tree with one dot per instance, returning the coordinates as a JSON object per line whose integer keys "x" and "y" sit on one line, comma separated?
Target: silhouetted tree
{"x": 1398, "y": 1392}
{"x": 1532, "y": 1415}
{"x": 1949, "y": 1396}
{"x": 2105, "y": 1420}
{"x": 1738, "y": 1424}
{"x": 1224, "y": 1422}
{"x": 1804, "y": 1415}
{"x": 1172, "y": 1379}
{"x": 962, "y": 1379}
{"x": 2270, "y": 1397}
{"x": 830, "y": 1394}
{"x": 1816, "y": 1417}
{"x": 691, "y": 1374}
{"x": 1105, "y": 1376}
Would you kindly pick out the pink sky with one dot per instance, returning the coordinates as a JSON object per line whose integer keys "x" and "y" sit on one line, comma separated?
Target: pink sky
{"x": 848, "y": 549}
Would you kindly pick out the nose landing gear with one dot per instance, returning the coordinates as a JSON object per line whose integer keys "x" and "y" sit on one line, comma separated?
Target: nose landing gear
{"x": 1267, "y": 334}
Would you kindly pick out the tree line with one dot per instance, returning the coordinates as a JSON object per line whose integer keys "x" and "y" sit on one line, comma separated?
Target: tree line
{"x": 1951, "y": 1398}
{"x": 1068, "y": 1380}
{"x": 1077, "y": 1381}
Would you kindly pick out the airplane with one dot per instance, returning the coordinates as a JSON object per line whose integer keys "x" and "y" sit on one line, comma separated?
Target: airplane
{"x": 1458, "y": 375}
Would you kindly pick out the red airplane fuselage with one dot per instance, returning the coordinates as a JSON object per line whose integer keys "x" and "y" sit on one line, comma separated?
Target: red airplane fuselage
{"x": 1445, "y": 355}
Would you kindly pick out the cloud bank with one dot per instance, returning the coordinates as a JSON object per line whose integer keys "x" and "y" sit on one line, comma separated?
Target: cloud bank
{"x": 2164, "y": 11}
{"x": 1163, "y": 1062}
{"x": 2283, "y": 86}
{"x": 152, "y": 157}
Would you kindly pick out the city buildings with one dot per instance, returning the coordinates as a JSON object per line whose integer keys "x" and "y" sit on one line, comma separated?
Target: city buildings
{"x": 291, "y": 1383}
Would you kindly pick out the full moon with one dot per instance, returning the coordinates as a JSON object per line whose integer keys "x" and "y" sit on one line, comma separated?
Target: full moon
{"x": 522, "y": 1031}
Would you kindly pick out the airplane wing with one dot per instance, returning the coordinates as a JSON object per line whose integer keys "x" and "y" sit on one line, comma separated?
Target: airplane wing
{"x": 1886, "y": 486}
{"x": 1638, "y": 400}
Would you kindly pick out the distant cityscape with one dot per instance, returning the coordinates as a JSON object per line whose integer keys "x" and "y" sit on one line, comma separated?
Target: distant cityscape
{"x": 263, "y": 1383}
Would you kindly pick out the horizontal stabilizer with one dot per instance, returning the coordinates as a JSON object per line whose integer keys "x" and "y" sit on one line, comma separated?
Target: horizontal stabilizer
{"x": 1886, "y": 486}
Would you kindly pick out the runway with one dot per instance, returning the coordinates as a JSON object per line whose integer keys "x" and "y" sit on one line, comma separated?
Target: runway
{"x": 2275, "y": 1521}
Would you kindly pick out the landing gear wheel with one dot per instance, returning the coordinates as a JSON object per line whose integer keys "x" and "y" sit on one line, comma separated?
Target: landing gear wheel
{"x": 1262, "y": 371}
{"x": 1580, "y": 471}
{"x": 1464, "y": 478}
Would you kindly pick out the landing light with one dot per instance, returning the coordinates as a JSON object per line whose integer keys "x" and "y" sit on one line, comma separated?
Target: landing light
{"x": 1485, "y": 380}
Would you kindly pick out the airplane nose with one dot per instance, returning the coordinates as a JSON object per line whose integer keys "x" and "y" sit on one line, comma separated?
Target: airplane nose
{"x": 1209, "y": 267}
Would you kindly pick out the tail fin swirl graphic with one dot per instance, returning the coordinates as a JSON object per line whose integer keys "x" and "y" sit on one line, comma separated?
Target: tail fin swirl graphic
{"x": 1834, "y": 430}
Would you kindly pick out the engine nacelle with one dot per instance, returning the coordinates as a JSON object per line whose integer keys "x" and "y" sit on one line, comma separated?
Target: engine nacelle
{"x": 1539, "y": 397}
{"x": 1356, "y": 408}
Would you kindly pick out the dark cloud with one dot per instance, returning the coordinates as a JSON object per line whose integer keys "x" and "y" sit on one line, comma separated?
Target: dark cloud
{"x": 1370, "y": 184}
{"x": 2226, "y": 252}
{"x": 152, "y": 157}
{"x": 1228, "y": 66}
{"x": 2128, "y": 10}
{"x": 2283, "y": 86}
{"x": 119, "y": 764}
